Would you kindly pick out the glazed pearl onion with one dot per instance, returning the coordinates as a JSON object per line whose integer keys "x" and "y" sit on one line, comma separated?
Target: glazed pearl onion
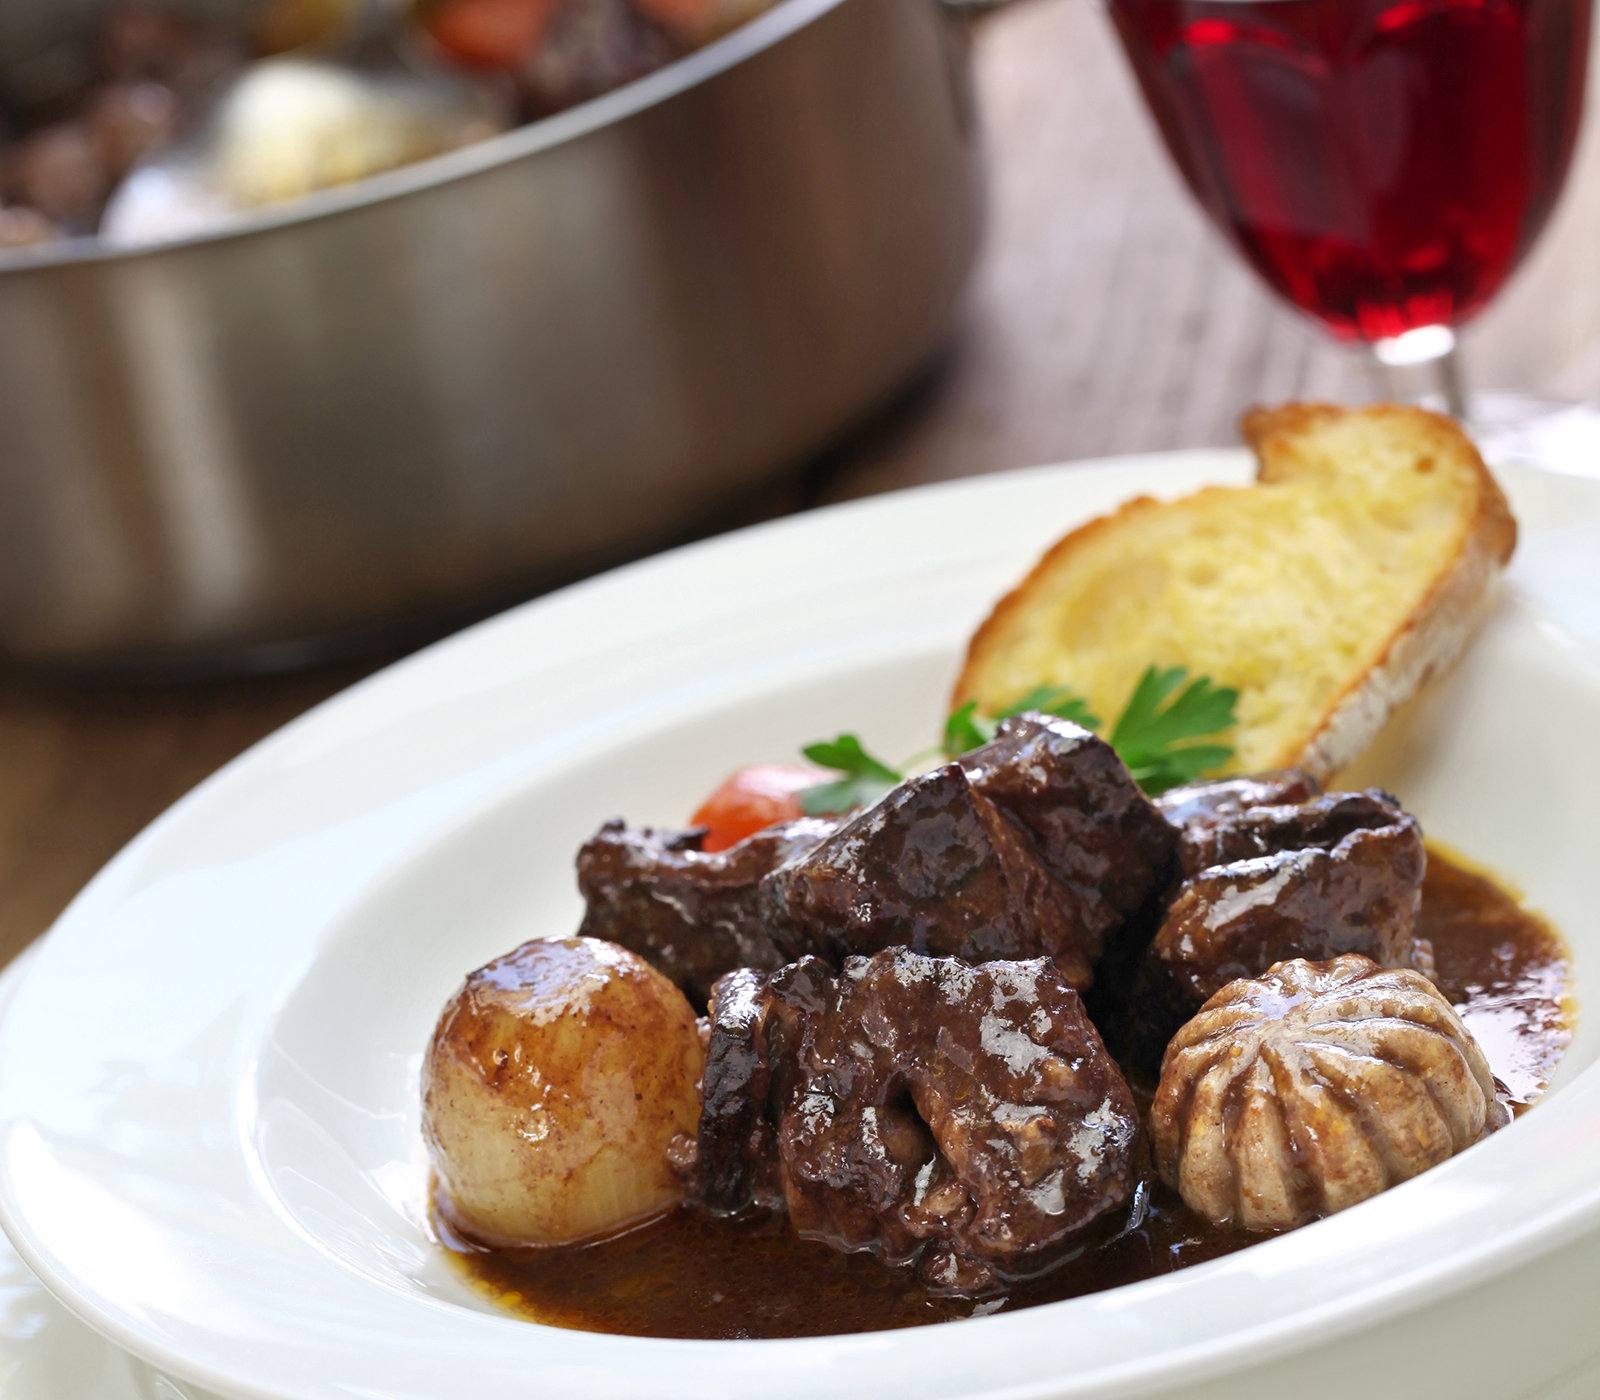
{"x": 554, "y": 1081}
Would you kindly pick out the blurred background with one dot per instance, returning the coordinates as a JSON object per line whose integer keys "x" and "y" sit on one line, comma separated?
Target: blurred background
{"x": 849, "y": 248}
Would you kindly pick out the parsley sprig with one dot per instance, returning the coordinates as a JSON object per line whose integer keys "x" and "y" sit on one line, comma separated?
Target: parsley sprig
{"x": 1155, "y": 735}
{"x": 862, "y": 782}
{"x": 1153, "y": 741}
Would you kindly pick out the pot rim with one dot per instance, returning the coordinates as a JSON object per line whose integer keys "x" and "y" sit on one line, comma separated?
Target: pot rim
{"x": 764, "y": 32}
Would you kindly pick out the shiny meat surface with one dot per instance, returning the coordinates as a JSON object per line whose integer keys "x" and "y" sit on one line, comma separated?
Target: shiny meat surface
{"x": 1299, "y": 1093}
{"x": 1092, "y": 826}
{"x": 1203, "y": 811}
{"x": 934, "y": 867}
{"x": 1336, "y": 874}
{"x": 968, "y": 1118}
{"x": 690, "y": 913}
{"x": 1238, "y": 919}
{"x": 1320, "y": 822}
{"x": 1038, "y": 844}
{"x": 734, "y": 1159}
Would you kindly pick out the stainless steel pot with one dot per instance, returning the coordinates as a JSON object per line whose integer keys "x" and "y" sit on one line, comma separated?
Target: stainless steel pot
{"x": 458, "y": 380}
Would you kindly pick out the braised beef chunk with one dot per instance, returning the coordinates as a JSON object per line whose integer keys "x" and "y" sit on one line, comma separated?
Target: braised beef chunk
{"x": 1038, "y": 844}
{"x": 1237, "y": 920}
{"x": 690, "y": 913}
{"x": 934, "y": 867}
{"x": 736, "y": 1155}
{"x": 1197, "y": 814}
{"x": 1317, "y": 894}
{"x": 1205, "y": 812}
{"x": 968, "y": 1118}
{"x": 1265, "y": 830}
{"x": 1209, "y": 798}
{"x": 1093, "y": 827}
{"x": 734, "y": 1164}
{"x": 1262, "y": 831}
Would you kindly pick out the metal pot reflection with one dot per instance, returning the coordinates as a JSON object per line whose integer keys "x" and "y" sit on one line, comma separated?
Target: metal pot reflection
{"x": 460, "y": 380}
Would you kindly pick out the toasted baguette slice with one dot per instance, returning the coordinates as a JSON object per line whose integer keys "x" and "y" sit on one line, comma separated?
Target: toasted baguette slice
{"x": 1355, "y": 569}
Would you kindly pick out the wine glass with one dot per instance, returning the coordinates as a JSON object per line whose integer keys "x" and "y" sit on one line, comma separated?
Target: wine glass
{"x": 1383, "y": 164}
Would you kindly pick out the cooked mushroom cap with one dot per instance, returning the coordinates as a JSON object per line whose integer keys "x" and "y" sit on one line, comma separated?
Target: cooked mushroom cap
{"x": 554, "y": 1082}
{"x": 1297, "y": 1093}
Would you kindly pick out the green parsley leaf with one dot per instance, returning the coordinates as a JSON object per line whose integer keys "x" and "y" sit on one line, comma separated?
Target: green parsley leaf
{"x": 1152, "y": 731}
{"x": 847, "y": 756}
{"x": 1152, "y": 736}
{"x": 1178, "y": 767}
{"x": 966, "y": 730}
{"x": 865, "y": 779}
{"x": 1055, "y": 700}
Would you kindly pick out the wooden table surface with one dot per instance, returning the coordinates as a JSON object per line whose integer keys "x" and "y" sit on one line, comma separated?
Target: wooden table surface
{"x": 1105, "y": 317}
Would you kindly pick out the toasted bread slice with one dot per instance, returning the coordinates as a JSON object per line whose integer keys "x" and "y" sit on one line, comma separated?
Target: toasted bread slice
{"x": 1355, "y": 569}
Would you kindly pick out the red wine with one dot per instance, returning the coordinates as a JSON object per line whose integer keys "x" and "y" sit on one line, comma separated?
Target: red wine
{"x": 1383, "y": 165}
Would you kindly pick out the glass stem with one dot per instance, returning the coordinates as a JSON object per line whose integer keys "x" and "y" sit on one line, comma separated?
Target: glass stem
{"x": 1455, "y": 394}
{"x": 1434, "y": 346}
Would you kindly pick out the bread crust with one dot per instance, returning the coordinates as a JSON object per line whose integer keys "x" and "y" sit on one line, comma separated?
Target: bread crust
{"x": 989, "y": 630}
{"x": 1433, "y": 637}
{"x": 1426, "y": 643}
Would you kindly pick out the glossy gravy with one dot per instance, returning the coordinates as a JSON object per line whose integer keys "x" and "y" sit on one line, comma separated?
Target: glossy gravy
{"x": 685, "y": 1276}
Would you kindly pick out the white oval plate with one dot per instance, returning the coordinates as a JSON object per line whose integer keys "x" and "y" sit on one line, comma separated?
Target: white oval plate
{"x": 208, "y": 1095}
{"x": 46, "y": 1352}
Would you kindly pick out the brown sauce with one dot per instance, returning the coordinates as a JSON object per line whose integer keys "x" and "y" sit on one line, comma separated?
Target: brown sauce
{"x": 685, "y": 1276}
{"x": 1503, "y": 968}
